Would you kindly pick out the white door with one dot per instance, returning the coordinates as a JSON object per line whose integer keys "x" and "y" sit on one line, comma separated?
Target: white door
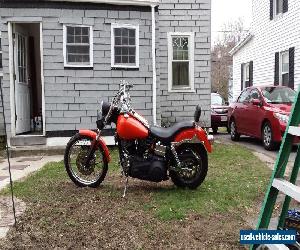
{"x": 22, "y": 92}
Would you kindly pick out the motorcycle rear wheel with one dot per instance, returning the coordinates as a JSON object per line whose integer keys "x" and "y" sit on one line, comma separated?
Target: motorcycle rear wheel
{"x": 75, "y": 155}
{"x": 194, "y": 165}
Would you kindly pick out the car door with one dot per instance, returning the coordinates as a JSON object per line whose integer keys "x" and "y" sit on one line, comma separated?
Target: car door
{"x": 255, "y": 114}
{"x": 244, "y": 117}
{"x": 238, "y": 112}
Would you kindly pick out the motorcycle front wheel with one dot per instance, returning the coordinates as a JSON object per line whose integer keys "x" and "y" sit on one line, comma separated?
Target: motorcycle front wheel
{"x": 194, "y": 166}
{"x": 82, "y": 174}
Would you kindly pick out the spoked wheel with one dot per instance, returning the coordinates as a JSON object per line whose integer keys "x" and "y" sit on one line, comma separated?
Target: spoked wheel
{"x": 194, "y": 166}
{"x": 82, "y": 174}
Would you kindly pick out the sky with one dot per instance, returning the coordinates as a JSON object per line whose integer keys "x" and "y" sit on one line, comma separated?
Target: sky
{"x": 224, "y": 11}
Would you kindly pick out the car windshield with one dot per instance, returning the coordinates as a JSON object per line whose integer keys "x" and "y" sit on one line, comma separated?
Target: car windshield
{"x": 278, "y": 95}
{"x": 217, "y": 100}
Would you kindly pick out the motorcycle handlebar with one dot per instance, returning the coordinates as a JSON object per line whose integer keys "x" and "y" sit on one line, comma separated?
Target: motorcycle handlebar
{"x": 124, "y": 88}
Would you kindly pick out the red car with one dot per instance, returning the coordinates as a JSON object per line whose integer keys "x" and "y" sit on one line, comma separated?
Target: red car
{"x": 219, "y": 111}
{"x": 261, "y": 112}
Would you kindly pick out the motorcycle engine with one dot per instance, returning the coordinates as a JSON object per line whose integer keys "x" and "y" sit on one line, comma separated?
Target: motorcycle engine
{"x": 151, "y": 169}
{"x": 144, "y": 165}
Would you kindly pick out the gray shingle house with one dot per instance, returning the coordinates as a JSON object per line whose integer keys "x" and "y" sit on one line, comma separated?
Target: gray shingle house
{"x": 60, "y": 58}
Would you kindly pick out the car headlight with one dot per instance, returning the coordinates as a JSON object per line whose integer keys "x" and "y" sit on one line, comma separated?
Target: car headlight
{"x": 282, "y": 117}
{"x": 213, "y": 111}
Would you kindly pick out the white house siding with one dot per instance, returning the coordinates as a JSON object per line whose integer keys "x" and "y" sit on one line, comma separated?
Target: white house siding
{"x": 269, "y": 37}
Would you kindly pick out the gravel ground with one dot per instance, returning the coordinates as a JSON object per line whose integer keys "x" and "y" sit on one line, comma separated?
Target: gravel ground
{"x": 101, "y": 219}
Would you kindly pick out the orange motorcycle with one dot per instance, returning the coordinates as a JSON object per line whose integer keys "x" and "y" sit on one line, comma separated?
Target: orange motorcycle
{"x": 149, "y": 153}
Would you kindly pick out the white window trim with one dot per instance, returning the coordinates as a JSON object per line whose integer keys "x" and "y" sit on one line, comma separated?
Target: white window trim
{"x": 66, "y": 64}
{"x": 191, "y": 36}
{"x": 281, "y": 72}
{"x": 137, "y": 43}
{"x": 246, "y": 78}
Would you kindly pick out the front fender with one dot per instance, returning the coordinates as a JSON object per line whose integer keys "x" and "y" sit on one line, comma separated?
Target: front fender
{"x": 101, "y": 142}
{"x": 189, "y": 134}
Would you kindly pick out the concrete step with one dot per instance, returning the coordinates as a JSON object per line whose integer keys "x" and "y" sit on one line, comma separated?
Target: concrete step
{"x": 28, "y": 141}
{"x": 36, "y": 151}
{"x": 53, "y": 146}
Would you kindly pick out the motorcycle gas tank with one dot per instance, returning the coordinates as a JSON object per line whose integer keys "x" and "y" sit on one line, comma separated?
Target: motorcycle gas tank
{"x": 130, "y": 128}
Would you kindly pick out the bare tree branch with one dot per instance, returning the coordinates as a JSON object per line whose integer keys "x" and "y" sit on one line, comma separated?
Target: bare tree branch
{"x": 221, "y": 59}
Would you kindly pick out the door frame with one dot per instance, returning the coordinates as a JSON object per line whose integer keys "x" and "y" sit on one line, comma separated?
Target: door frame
{"x": 12, "y": 81}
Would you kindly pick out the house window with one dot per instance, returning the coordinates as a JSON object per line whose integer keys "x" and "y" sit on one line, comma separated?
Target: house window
{"x": 78, "y": 46}
{"x": 246, "y": 75}
{"x": 181, "y": 61}
{"x": 21, "y": 58}
{"x": 284, "y": 69}
{"x": 125, "y": 46}
{"x": 278, "y": 7}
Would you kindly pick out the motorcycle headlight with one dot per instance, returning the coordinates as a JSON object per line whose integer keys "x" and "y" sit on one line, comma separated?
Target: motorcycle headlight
{"x": 282, "y": 117}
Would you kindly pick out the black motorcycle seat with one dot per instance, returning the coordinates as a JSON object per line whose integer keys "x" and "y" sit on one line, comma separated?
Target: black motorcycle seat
{"x": 167, "y": 134}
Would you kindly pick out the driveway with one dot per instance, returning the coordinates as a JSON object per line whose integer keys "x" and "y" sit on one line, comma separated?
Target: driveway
{"x": 255, "y": 145}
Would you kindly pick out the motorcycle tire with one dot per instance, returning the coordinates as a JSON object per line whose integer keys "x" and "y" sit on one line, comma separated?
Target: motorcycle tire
{"x": 75, "y": 178}
{"x": 197, "y": 154}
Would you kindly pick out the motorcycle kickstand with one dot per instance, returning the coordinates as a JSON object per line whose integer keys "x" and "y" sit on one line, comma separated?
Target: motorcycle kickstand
{"x": 125, "y": 189}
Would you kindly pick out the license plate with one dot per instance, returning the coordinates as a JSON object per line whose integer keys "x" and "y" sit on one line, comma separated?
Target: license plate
{"x": 224, "y": 118}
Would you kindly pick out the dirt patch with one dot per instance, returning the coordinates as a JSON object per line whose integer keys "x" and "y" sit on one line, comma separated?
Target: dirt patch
{"x": 99, "y": 218}
{"x": 6, "y": 213}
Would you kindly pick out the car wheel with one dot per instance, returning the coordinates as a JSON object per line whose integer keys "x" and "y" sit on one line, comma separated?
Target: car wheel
{"x": 215, "y": 130}
{"x": 267, "y": 137}
{"x": 235, "y": 136}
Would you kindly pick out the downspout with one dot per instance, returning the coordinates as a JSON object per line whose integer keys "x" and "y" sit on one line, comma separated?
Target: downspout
{"x": 154, "y": 100}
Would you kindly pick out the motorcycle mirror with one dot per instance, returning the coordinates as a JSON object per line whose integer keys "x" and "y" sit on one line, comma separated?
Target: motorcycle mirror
{"x": 130, "y": 85}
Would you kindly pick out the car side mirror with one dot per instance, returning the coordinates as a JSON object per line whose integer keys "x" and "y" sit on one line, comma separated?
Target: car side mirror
{"x": 256, "y": 102}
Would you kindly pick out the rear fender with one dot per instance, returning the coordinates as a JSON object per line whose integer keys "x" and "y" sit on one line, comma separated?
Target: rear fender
{"x": 101, "y": 142}
{"x": 194, "y": 135}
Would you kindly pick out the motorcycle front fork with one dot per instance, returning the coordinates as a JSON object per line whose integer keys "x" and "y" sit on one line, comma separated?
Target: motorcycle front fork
{"x": 92, "y": 150}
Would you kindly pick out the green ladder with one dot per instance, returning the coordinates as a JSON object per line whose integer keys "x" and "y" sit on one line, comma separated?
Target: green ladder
{"x": 277, "y": 182}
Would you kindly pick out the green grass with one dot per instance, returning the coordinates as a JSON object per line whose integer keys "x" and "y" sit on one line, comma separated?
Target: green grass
{"x": 235, "y": 180}
{"x": 42, "y": 185}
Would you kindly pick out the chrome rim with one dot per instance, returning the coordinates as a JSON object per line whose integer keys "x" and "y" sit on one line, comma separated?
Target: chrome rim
{"x": 77, "y": 155}
{"x": 267, "y": 135}
{"x": 191, "y": 166}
